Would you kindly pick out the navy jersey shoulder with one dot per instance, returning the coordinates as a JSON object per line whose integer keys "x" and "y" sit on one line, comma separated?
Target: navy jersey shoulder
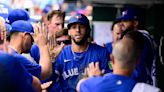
{"x": 70, "y": 65}
{"x": 33, "y": 68}
{"x": 35, "y": 53}
{"x": 13, "y": 76}
{"x": 145, "y": 71}
{"x": 108, "y": 83}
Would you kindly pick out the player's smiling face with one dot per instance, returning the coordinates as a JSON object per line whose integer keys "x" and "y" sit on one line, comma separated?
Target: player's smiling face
{"x": 78, "y": 33}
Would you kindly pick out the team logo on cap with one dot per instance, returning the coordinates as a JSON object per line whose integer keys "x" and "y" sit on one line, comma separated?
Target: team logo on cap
{"x": 78, "y": 16}
{"x": 124, "y": 13}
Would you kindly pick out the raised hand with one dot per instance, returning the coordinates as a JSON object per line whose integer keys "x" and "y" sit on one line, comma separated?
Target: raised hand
{"x": 44, "y": 86}
{"x": 54, "y": 49}
{"x": 94, "y": 70}
{"x": 40, "y": 35}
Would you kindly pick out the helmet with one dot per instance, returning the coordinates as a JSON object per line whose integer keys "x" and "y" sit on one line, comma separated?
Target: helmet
{"x": 78, "y": 18}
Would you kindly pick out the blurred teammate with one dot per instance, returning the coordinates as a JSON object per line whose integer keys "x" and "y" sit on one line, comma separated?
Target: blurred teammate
{"x": 69, "y": 66}
{"x": 2, "y": 30}
{"x": 63, "y": 37}
{"x": 14, "y": 77}
{"x": 131, "y": 19}
{"x": 55, "y": 24}
{"x": 21, "y": 41}
{"x": 116, "y": 34}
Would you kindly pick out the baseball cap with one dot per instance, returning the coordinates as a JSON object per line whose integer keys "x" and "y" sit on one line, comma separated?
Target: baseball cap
{"x": 129, "y": 14}
{"x": 8, "y": 27}
{"x": 18, "y": 14}
{"x": 78, "y": 18}
{"x": 22, "y": 26}
{"x": 4, "y": 10}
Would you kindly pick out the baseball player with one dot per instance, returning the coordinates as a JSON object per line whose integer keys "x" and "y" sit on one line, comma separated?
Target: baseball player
{"x": 21, "y": 41}
{"x": 55, "y": 24}
{"x": 70, "y": 65}
{"x": 131, "y": 19}
{"x": 116, "y": 34}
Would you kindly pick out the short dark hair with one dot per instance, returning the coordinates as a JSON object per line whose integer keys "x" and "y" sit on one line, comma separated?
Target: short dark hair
{"x": 114, "y": 22}
{"x": 138, "y": 37}
{"x": 13, "y": 33}
{"x": 59, "y": 13}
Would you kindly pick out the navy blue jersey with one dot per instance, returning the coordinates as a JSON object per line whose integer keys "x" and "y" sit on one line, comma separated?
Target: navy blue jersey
{"x": 33, "y": 68}
{"x": 35, "y": 53}
{"x": 69, "y": 66}
{"x": 145, "y": 71}
{"x": 108, "y": 83}
{"x": 13, "y": 76}
{"x": 109, "y": 47}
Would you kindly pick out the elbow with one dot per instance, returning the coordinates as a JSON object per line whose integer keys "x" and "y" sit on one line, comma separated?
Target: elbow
{"x": 36, "y": 84}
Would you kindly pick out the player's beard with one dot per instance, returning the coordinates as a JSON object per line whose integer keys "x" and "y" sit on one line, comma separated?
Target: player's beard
{"x": 82, "y": 41}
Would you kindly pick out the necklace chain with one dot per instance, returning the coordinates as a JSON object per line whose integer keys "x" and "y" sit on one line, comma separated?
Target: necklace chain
{"x": 81, "y": 55}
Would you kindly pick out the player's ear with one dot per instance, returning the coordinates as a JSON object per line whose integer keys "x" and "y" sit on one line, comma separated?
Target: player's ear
{"x": 135, "y": 23}
{"x": 69, "y": 32}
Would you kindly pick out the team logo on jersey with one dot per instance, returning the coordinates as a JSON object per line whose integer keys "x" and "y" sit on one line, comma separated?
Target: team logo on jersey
{"x": 70, "y": 73}
{"x": 124, "y": 13}
{"x": 67, "y": 60}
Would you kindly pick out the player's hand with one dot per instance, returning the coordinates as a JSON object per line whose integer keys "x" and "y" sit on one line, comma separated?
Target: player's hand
{"x": 94, "y": 70}
{"x": 54, "y": 49}
{"x": 44, "y": 86}
{"x": 40, "y": 35}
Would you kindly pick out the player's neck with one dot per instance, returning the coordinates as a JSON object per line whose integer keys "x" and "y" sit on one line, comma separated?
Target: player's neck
{"x": 79, "y": 48}
{"x": 14, "y": 47}
{"x": 123, "y": 72}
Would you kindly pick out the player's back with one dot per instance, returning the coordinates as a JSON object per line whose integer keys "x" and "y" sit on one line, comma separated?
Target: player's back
{"x": 108, "y": 83}
{"x": 13, "y": 76}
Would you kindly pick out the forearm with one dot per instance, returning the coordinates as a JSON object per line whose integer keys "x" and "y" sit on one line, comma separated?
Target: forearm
{"x": 36, "y": 84}
{"x": 45, "y": 62}
{"x": 79, "y": 83}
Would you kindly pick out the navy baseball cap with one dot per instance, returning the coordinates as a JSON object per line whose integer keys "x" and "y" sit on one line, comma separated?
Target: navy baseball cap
{"x": 129, "y": 14}
{"x": 4, "y": 10}
{"x": 18, "y": 14}
{"x": 78, "y": 18}
{"x": 22, "y": 26}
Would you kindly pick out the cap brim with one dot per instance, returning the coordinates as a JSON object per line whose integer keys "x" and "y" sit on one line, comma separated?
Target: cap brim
{"x": 33, "y": 20}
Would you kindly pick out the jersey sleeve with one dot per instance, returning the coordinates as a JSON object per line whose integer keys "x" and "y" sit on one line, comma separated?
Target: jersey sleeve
{"x": 89, "y": 85}
{"x": 105, "y": 63}
{"x": 35, "y": 53}
{"x": 13, "y": 75}
{"x": 22, "y": 78}
{"x": 33, "y": 68}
